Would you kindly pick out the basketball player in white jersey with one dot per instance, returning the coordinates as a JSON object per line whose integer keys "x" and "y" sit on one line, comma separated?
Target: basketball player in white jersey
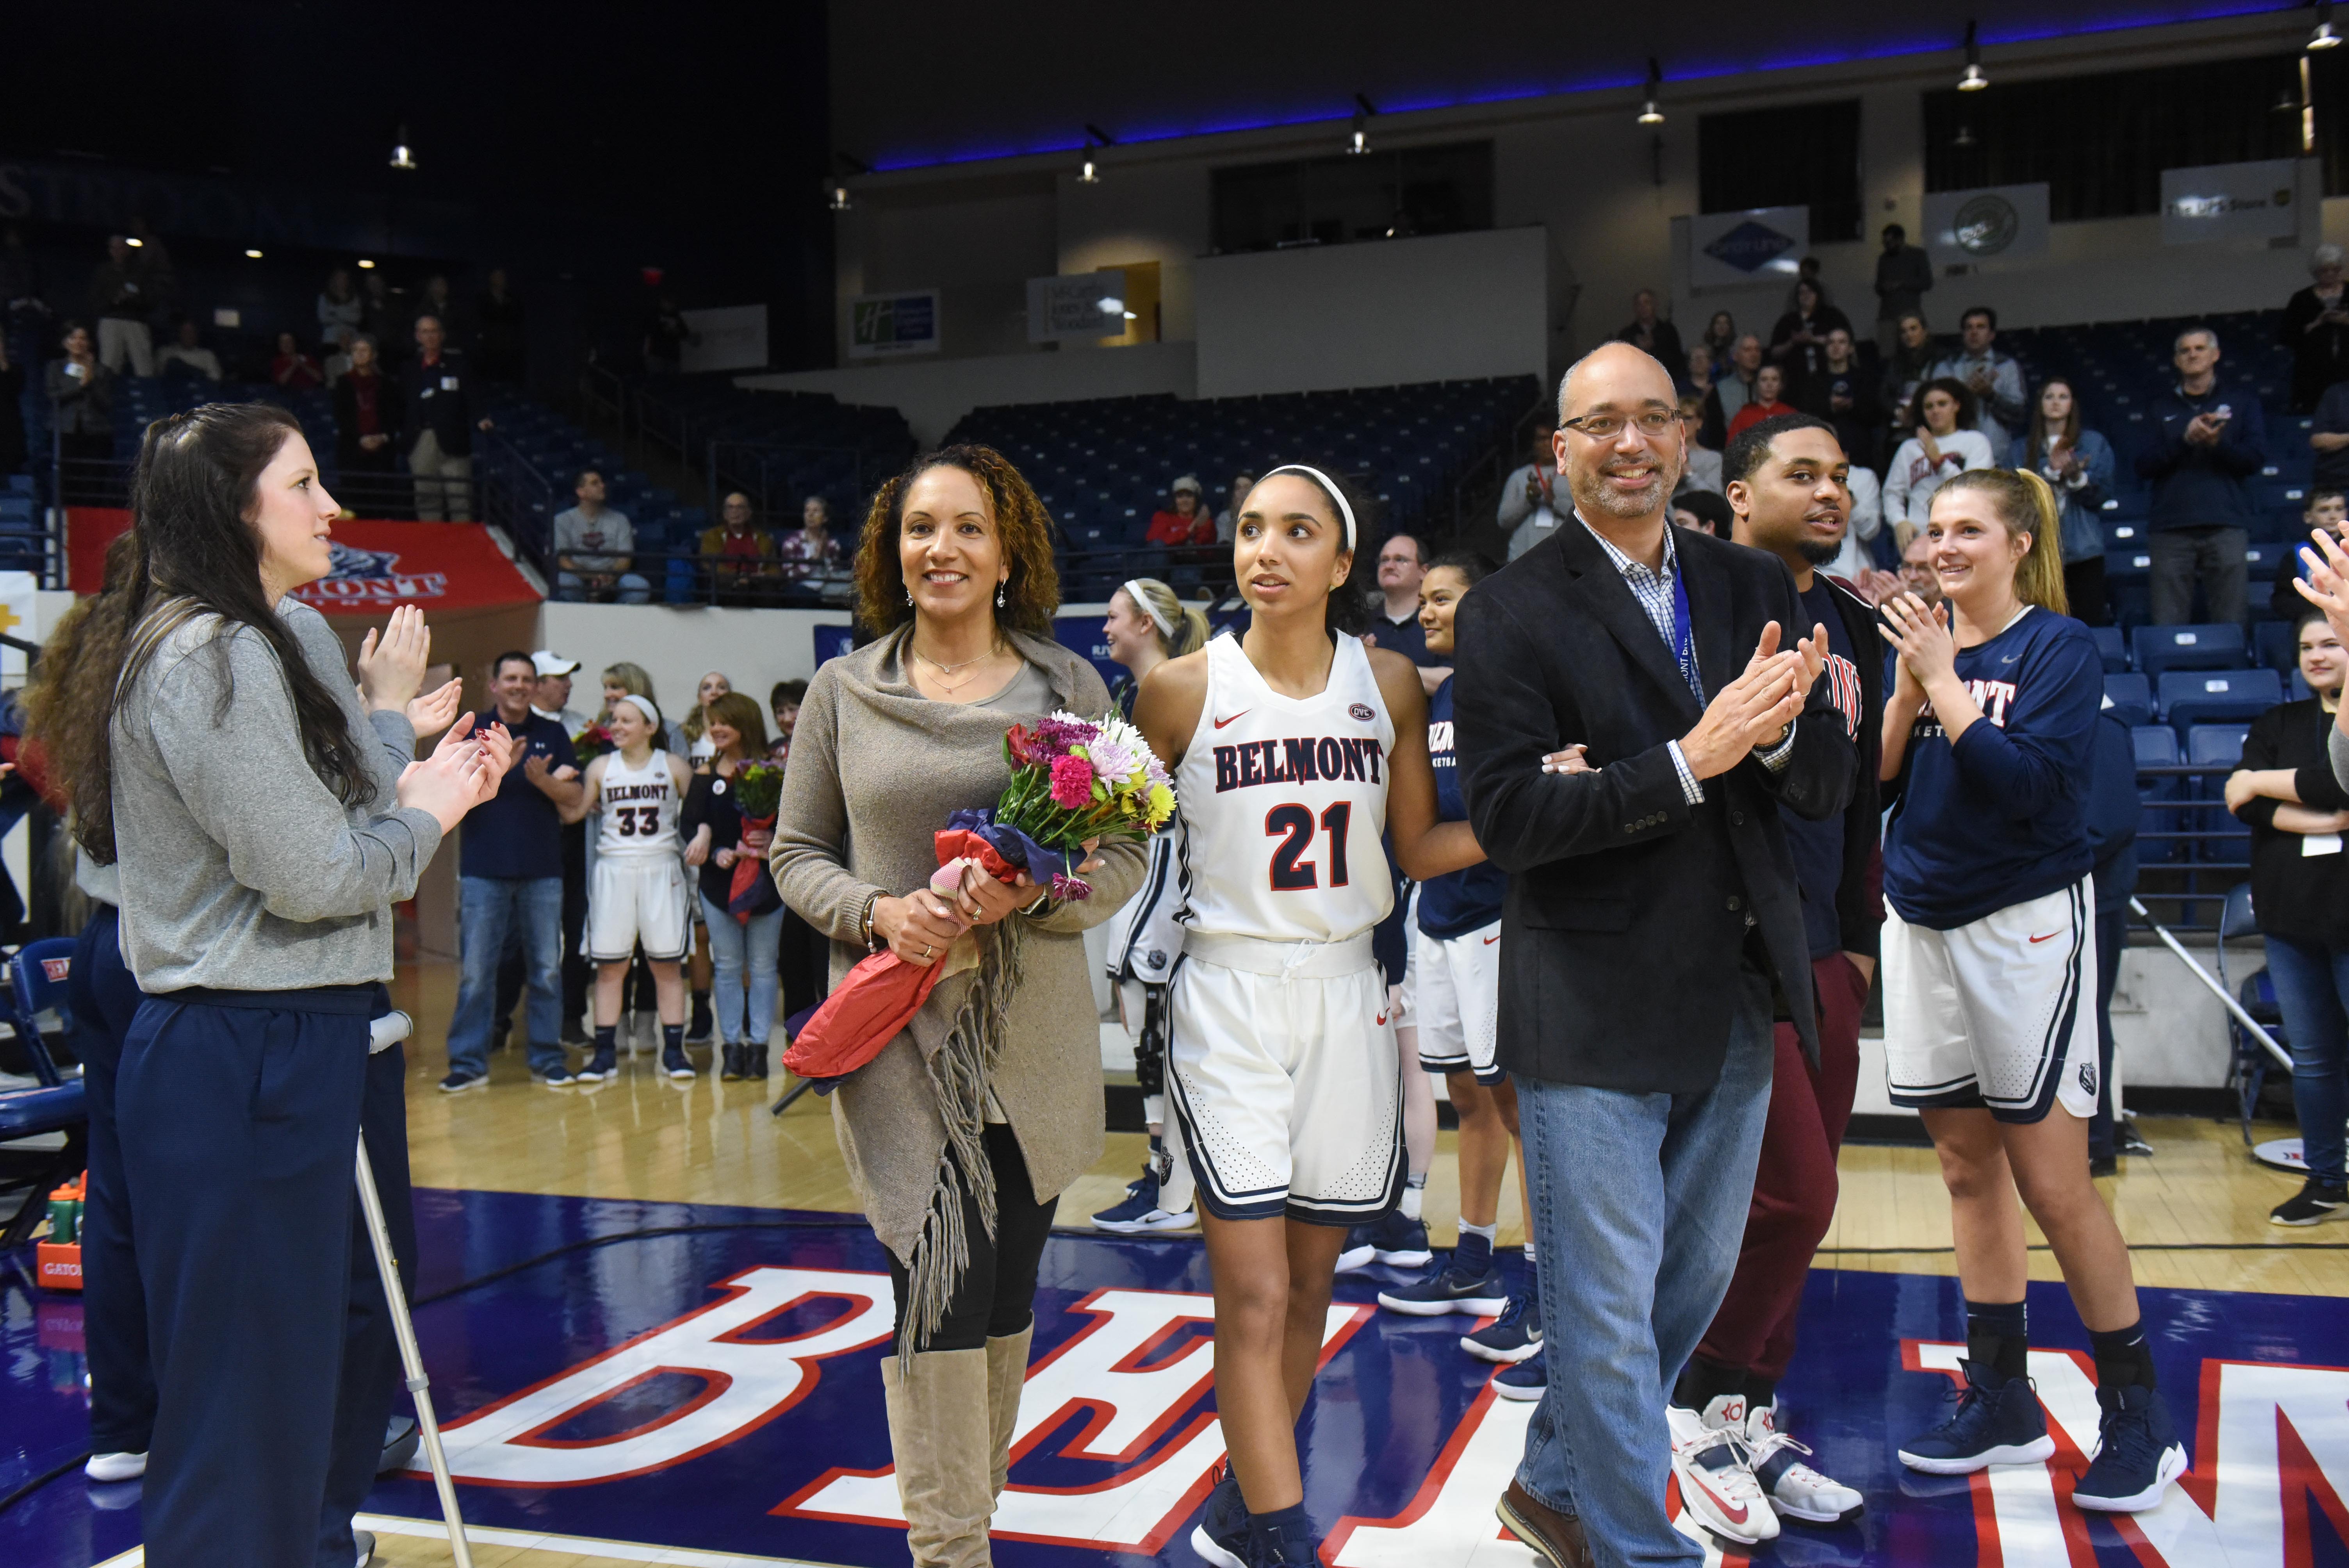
{"x": 1293, "y": 748}
{"x": 638, "y": 892}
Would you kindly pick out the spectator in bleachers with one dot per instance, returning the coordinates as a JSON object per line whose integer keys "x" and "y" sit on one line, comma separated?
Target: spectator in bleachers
{"x": 379, "y": 318}
{"x": 1528, "y": 511}
{"x": 81, "y": 399}
{"x": 1704, "y": 512}
{"x": 2077, "y": 465}
{"x": 1994, "y": 377}
{"x": 437, "y": 303}
{"x": 739, "y": 556}
{"x": 2208, "y": 445}
{"x": 2327, "y": 513}
{"x": 497, "y": 316}
{"x": 1904, "y": 273}
{"x": 339, "y": 307}
{"x": 1806, "y": 271}
{"x": 783, "y": 699}
{"x": 1854, "y": 559}
{"x": 1734, "y": 387}
{"x": 187, "y": 357}
{"x": 1652, "y": 332}
{"x": 2297, "y": 810}
{"x": 367, "y": 417}
{"x": 338, "y": 362}
{"x": 121, "y": 300}
{"x": 1182, "y": 523}
{"x": 1917, "y": 574}
{"x": 594, "y": 550}
{"x": 2328, "y": 438}
{"x": 292, "y": 368}
{"x": 666, "y": 337}
{"x": 1907, "y": 368}
{"x": 1798, "y": 342}
{"x": 436, "y": 392}
{"x": 1227, "y": 520}
{"x": 1694, "y": 378}
{"x": 1394, "y": 606}
{"x": 1703, "y": 470}
{"x": 1845, "y": 395}
{"x": 1942, "y": 447}
{"x": 810, "y": 556}
{"x": 2315, "y": 328}
{"x": 1767, "y": 402}
{"x": 1720, "y": 341}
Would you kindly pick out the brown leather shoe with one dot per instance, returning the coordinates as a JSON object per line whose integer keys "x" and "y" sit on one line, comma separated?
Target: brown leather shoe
{"x": 1555, "y": 1537}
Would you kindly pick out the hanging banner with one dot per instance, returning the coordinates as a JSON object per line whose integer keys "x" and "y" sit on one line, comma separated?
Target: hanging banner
{"x": 1076, "y": 308}
{"x": 1996, "y": 222}
{"x": 2230, "y": 201}
{"x": 442, "y": 568}
{"x": 728, "y": 337}
{"x": 882, "y": 326}
{"x": 1760, "y": 246}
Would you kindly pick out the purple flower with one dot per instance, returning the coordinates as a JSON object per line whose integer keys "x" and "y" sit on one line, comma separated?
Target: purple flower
{"x": 1067, "y": 888}
{"x": 1072, "y": 782}
{"x": 1058, "y": 733}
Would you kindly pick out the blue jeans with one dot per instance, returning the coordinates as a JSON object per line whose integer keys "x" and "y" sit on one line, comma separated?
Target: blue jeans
{"x": 2310, "y": 981}
{"x": 1640, "y": 1206}
{"x": 489, "y": 907}
{"x": 730, "y": 941}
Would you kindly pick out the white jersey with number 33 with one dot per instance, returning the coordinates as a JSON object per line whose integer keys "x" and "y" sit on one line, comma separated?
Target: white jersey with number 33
{"x": 1285, "y": 802}
{"x": 639, "y": 808}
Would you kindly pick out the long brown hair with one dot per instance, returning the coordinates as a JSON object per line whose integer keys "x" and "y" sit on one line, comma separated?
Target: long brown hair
{"x": 191, "y": 553}
{"x": 2036, "y": 452}
{"x": 2024, "y": 505}
{"x": 1031, "y": 595}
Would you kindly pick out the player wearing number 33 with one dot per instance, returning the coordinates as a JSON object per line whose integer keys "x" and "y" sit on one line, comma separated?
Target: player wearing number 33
{"x": 1293, "y": 749}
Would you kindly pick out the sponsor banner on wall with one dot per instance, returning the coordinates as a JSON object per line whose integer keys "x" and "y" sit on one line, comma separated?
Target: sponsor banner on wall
{"x": 882, "y": 326}
{"x": 2230, "y": 201}
{"x": 728, "y": 337}
{"x": 1994, "y": 224}
{"x": 441, "y": 567}
{"x": 1762, "y": 244}
{"x": 1076, "y": 308}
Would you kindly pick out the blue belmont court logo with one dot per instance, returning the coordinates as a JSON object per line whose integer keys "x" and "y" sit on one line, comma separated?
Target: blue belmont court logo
{"x": 1749, "y": 246}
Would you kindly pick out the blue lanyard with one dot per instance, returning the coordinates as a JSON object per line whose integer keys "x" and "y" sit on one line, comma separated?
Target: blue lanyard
{"x": 1684, "y": 633}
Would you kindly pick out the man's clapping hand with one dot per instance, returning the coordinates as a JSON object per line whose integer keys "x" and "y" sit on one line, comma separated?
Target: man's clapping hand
{"x": 1754, "y": 709}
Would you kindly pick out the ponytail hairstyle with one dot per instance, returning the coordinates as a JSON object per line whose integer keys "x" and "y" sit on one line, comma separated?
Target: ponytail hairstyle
{"x": 2024, "y": 505}
{"x": 1162, "y": 608}
{"x": 191, "y": 552}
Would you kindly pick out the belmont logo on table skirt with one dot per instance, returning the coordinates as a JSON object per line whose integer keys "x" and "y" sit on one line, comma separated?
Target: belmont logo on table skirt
{"x": 442, "y": 566}
{"x": 370, "y": 577}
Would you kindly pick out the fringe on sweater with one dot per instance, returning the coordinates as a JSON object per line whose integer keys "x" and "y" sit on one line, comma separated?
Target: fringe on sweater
{"x": 961, "y": 1070}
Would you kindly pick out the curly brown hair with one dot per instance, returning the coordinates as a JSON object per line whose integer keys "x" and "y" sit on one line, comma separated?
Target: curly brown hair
{"x": 1031, "y": 595}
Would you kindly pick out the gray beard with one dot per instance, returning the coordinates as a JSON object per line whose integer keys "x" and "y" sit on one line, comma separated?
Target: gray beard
{"x": 1600, "y": 496}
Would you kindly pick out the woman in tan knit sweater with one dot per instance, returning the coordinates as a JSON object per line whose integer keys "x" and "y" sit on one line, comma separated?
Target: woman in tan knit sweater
{"x": 960, "y": 1136}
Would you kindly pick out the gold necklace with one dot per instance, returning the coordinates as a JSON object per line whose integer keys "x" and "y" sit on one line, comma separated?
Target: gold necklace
{"x": 993, "y": 649}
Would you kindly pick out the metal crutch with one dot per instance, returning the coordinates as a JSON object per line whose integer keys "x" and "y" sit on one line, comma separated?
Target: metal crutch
{"x": 387, "y": 1031}
{"x": 2250, "y": 1025}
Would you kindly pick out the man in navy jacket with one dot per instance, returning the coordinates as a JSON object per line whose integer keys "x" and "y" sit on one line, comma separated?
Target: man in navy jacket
{"x": 2208, "y": 443}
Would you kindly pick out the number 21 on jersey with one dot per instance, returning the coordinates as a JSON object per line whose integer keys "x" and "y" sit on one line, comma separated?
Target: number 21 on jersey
{"x": 1291, "y": 873}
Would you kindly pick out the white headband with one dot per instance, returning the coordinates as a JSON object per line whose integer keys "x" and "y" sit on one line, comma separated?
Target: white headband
{"x": 1142, "y": 602}
{"x": 645, "y": 705}
{"x": 1328, "y": 484}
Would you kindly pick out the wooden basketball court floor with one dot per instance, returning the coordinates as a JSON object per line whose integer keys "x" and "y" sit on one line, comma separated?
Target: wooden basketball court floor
{"x": 2195, "y": 1212}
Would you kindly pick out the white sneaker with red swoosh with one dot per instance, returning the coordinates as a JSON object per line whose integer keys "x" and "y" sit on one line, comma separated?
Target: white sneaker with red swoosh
{"x": 1717, "y": 1486}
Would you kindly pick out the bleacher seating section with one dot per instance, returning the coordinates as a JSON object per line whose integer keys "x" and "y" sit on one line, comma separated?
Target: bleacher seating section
{"x": 23, "y": 541}
{"x": 798, "y": 444}
{"x": 1102, "y": 467}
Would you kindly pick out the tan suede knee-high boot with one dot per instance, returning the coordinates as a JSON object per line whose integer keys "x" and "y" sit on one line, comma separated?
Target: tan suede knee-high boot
{"x": 939, "y": 1432}
{"x": 1006, "y": 1374}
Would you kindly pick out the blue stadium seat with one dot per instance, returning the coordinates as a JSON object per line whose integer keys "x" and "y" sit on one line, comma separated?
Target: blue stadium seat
{"x": 2277, "y": 651}
{"x": 2129, "y": 699}
{"x": 2113, "y": 646}
{"x": 2199, "y": 647}
{"x": 2157, "y": 747}
{"x": 2201, "y": 697}
{"x": 2217, "y": 746}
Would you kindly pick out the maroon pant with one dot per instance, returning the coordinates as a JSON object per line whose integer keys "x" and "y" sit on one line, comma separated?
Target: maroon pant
{"x": 1794, "y": 1185}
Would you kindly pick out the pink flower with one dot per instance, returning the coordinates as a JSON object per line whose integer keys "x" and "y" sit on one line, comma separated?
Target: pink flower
{"x": 1072, "y": 782}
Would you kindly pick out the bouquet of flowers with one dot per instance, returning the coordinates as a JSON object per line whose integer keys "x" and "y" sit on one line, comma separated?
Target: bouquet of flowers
{"x": 758, "y": 794}
{"x": 592, "y": 742}
{"x": 1072, "y": 782}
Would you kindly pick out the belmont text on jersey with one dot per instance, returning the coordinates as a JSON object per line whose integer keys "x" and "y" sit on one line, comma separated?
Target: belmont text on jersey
{"x": 1304, "y": 760}
{"x": 1991, "y": 697}
{"x": 615, "y": 793}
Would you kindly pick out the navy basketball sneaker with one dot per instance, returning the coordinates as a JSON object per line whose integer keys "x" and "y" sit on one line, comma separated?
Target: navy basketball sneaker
{"x": 2137, "y": 1453}
{"x": 1995, "y": 1423}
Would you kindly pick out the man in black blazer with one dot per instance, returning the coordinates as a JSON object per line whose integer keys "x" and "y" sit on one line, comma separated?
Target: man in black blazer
{"x": 1651, "y": 932}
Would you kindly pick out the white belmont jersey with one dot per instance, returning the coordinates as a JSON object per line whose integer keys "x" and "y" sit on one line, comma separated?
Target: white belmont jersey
{"x": 1284, "y": 803}
{"x": 640, "y": 807}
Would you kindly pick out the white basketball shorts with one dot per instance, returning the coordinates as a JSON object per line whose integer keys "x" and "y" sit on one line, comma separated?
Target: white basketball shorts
{"x": 1287, "y": 1087}
{"x": 637, "y": 898}
{"x": 1452, "y": 995}
{"x": 1999, "y": 1014}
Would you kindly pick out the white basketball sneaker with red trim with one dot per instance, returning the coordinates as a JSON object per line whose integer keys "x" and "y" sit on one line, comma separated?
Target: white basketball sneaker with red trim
{"x": 1717, "y": 1483}
{"x": 1794, "y": 1487}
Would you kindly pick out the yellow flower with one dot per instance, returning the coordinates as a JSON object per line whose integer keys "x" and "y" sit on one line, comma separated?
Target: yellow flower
{"x": 1161, "y": 803}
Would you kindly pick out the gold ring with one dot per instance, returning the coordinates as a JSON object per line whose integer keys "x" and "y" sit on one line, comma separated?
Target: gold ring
{"x": 928, "y": 948}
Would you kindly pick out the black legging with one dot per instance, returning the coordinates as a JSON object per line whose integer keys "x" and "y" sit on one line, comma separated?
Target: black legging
{"x": 998, "y": 1292}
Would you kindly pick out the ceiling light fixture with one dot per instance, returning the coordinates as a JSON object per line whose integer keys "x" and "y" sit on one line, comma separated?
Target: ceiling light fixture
{"x": 840, "y": 201}
{"x": 366, "y": 265}
{"x": 1652, "y": 111}
{"x": 2325, "y": 37}
{"x": 253, "y": 255}
{"x": 401, "y": 158}
{"x": 1361, "y": 139}
{"x": 1973, "y": 81}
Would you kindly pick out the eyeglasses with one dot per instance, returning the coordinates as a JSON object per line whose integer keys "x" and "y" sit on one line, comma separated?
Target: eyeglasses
{"x": 1653, "y": 424}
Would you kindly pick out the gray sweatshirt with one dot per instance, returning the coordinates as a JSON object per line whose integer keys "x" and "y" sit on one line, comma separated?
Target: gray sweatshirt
{"x": 240, "y": 869}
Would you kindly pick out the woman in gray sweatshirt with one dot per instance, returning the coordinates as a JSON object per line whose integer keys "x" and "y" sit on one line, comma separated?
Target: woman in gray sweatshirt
{"x": 260, "y": 839}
